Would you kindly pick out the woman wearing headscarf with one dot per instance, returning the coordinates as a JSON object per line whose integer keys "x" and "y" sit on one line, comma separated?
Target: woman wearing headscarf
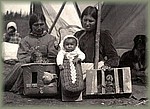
{"x": 37, "y": 42}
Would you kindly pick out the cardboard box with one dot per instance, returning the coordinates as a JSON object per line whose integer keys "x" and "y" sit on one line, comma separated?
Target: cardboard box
{"x": 114, "y": 81}
{"x": 34, "y": 84}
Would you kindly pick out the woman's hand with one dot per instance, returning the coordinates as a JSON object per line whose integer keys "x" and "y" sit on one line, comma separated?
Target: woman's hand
{"x": 33, "y": 57}
{"x": 105, "y": 67}
{"x": 102, "y": 66}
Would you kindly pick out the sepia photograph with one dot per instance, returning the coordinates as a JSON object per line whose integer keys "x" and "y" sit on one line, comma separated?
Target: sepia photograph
{"x": 74, "y": 54}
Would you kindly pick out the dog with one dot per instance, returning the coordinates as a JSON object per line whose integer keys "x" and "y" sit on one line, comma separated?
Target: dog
{"x": 135, "y": 58}
{"x": 48, "y": 78}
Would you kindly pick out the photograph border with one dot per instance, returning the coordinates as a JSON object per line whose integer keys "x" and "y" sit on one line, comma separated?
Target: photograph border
{"x": 94, "y": 107}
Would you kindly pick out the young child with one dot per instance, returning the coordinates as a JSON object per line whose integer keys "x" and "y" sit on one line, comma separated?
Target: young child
{"x": 69, "y": 49}
{"x": 11, "y": 40}
{"x": 11, "y": 35}
{"x": 69, "y": 61}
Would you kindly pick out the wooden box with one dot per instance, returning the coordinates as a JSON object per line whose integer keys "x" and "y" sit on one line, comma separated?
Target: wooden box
{"x": 114, "y": 81}
{"x": 34, "y": 85}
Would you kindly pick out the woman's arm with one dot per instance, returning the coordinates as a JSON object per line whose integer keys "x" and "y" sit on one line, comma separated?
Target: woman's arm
{"x": 52, "y": 51}
{"x": 24, "y": 53}
{"x": 109, "y": 49}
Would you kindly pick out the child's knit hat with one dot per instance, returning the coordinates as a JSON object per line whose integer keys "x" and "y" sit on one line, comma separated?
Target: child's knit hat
{"x": 68, "y": 36}
{"x": 12, "y": 24}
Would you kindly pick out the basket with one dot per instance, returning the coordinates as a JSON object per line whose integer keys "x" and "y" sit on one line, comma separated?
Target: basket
{"x": 34, "y": 83}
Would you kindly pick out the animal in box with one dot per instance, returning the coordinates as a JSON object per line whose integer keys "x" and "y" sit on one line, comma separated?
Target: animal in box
{"x": 40, "y": 79}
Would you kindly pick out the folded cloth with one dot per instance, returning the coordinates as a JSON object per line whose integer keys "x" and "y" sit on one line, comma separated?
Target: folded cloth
{"x": 9, "y": 51}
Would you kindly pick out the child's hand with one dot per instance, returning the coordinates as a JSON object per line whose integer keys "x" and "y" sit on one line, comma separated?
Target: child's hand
{"x": 61, "y": 67}
{"x": 76, "y": 60}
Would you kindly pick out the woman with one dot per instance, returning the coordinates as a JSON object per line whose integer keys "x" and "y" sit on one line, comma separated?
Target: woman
{"x": 108, "y": 56}
{"x": 37, "y": 41}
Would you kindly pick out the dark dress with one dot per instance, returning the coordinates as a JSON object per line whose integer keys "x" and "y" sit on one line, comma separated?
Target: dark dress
{"x": 107, "y": 52}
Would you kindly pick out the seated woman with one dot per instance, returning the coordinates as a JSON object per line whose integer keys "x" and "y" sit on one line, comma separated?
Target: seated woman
{"x": 37, "y": 41}
{"x": 108, "y": 56}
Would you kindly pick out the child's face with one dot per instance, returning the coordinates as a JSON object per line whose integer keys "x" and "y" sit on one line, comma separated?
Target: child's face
{"x": 70, "y": 44}
{"x": 11, "y": 30}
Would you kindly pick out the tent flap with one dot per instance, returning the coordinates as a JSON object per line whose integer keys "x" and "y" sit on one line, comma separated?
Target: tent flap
{"x": 124, "y": 21}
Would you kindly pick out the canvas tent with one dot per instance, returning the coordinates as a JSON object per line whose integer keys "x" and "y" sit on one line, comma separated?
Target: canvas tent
{"x": 123, "y": 20}
{"x": 68, "y": 16}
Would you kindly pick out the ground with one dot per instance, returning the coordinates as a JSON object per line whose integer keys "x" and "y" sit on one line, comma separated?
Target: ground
{"x": 137, "y": 98}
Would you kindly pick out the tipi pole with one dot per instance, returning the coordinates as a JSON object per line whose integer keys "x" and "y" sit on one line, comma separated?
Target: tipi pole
{"x": 31, "y": 8}
{"x": 97, "y": 39}
{"x": 77, "y": 9}
{"x": 62, "y": 7}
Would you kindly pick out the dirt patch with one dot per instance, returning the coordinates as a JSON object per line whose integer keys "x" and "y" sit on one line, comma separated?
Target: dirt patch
{"x": 137, "y": 98}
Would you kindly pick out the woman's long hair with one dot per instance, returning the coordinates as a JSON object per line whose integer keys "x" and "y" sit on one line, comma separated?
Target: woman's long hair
{"x": 93, "y": 12}
{"x": 35, "y": 18}
{"x": 90, "y": 10}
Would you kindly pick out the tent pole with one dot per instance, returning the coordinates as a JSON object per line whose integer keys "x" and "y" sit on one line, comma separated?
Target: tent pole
{"x": 97, "y": 39}
{"x": 77, "y": 9}
{"x": 31, "y": 8}
{"x": 62, "y": 7}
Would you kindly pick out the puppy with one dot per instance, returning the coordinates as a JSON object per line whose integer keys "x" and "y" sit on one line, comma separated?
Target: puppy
{"x": 48, "y": 77}
{"x": 135, "y": 58}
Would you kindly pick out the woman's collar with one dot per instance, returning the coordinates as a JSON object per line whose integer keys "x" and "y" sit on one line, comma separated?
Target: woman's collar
{"x": 44, "y": 33}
